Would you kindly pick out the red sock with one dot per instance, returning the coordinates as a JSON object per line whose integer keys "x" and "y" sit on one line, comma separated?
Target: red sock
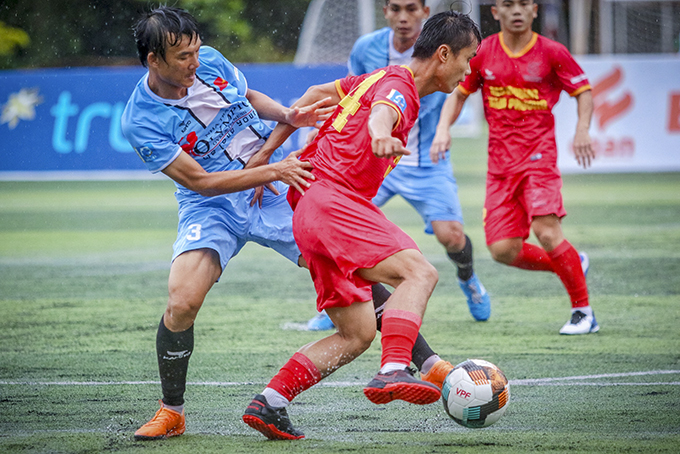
{"x": 533, "y": 258}
{"x": 567, "y": 265}
{"x": 298, "y": 374}
{"x": 399, "y": 332}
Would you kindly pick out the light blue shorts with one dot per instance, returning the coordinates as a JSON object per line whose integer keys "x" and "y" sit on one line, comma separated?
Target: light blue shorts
{"x": 226, "y": 223}
{"x": 432, "y": 191}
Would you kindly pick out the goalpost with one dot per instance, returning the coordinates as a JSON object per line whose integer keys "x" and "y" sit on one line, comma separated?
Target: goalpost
{"x": 331, "y": 27}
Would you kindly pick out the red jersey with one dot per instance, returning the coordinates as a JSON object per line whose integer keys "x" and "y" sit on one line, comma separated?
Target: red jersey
{"x": 342, "y": 150}
{"x": 519, "y": 92}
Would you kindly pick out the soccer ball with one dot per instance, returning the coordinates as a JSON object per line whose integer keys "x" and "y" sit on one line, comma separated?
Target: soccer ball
{"x": 475, "y": 393}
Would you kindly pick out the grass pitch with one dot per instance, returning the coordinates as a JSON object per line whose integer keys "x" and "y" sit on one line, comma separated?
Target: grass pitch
{"x": 83, "y": 275}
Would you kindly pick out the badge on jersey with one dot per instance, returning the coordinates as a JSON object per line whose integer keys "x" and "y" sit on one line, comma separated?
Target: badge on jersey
{"x": 398, "y": 99}
{"x": 146, "y": 152}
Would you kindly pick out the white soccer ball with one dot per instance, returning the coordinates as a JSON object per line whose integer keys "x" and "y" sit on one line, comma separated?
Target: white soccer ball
{"x": 475, "y": 393}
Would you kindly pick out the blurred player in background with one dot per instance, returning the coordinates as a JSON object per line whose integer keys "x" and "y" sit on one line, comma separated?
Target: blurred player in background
{"x": 425, "y": 177}
{"x": 348, "y": 242}
{"x": 521, "y": 75}
{"x": 193, "y": 117}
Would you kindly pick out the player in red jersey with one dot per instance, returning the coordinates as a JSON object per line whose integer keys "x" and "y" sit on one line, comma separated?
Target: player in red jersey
{"x": 347, "y": 241}
{"x": 521, "y": 75}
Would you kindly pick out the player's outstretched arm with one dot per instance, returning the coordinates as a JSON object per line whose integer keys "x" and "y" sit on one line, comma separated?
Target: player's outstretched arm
{"x": 583, "y": 147}
{"x": 323, "y": 96}
{"x": 448, "y": 116}
{"x": 380, "y": 124}
{"x": 298, "y": 115}
{"x": 187, "y": 172}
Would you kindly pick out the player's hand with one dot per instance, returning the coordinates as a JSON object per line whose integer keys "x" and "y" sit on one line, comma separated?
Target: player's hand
{"x": 388, "y": 146}
{"x": 259, "y": 194}
{"x": 583, "y": 148}
{"x": 440, "y": 143}
{"x": 311, "y": 114}
{"x": 295, "y": 173}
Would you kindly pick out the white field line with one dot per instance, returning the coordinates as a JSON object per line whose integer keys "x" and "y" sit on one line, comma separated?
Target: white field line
{"x": 550, "y": 381}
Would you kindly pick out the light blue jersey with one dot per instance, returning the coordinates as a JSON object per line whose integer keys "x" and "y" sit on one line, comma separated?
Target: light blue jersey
{"x": 376, "y": 50}
{"x": 217, "y": 126}
{"x": 430, "y": 188}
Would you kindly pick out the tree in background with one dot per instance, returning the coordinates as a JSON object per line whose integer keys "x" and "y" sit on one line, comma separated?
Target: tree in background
{"x": 57, "y": 33}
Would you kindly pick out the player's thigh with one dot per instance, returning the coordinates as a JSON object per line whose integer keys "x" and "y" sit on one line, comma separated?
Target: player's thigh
{"x": 505, "y": 215}
{"x": 541, "y": 193}
{"x": 398, "y": 267}
{"x": 272, "y": 226}
{"x": 210, "y": 227}
{"x": 192, "y": 275}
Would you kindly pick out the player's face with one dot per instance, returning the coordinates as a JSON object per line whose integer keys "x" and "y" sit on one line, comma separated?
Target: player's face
{"x": 177, "y": 71}
{"x": 456, "y": 67}
{"x": 406, "y": 18}
{"x": 515, "y": 16}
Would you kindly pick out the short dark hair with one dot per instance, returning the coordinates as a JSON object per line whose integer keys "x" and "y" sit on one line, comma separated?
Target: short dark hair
{"x": 450, "y": 27}
{"x": 161, "y": 27}
{"x": 422, "y": 2}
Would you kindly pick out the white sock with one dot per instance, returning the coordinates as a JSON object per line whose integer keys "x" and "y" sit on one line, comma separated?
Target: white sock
{"x": 274, "y": 398}
{"x": 429, "y": 362}
{"x": 390, "y": 367}
{"x": 586, "y": 310}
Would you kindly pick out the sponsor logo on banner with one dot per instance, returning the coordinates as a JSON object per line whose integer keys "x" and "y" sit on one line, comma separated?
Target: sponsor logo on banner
{"x": 610, "y": 106}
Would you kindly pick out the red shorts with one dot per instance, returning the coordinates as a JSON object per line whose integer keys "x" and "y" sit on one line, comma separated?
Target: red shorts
{"x": 513, "y": 201}
{"x": 338, "y": 233}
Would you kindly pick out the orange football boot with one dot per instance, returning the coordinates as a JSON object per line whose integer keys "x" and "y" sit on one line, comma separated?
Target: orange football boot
{"x": 437, "y": 373}
{"x": 165, "y": 424}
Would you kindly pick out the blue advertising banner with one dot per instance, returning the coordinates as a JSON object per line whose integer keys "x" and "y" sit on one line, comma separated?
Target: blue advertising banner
{"x": 65, "y": 123}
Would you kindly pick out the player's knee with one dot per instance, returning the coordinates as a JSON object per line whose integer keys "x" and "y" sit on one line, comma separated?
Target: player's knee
{"x": 503, "y": 254}
{"x": 358, "y": 340}
{"x": 451, "y": 236}
{"x": 183, "y": 311}
{"x": 427, "y": 274}
{"x": 549, "y": 238}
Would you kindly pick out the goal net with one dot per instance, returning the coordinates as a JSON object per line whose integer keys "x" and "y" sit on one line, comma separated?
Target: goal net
{"x": 331, "y": 27}
{"x": 638, "y": 26}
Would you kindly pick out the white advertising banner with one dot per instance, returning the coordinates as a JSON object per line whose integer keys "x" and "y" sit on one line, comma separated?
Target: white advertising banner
{"x": 636, "y": 118}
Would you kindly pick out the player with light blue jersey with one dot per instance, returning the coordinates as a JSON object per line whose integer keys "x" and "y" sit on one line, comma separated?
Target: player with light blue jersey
{"x": 193, "y": 118}
{"x": 423, "y": 179}
{"x": 218, "y": 127}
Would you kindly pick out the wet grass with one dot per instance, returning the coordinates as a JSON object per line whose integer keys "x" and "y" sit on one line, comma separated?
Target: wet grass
{"x": 83, "y": 275}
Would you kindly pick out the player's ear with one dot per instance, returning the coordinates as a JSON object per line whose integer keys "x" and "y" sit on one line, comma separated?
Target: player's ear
{"x": 444, "y": 53}
{"x": 534, "y": 11}
{"x": 152, "y": 59}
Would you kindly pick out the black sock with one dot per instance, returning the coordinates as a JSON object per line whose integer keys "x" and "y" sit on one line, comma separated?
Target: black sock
{"x": 173, "y": 351}
{"x": 380, "y": 296}
{"x": 463, "y": 260}
{"x": 421, "y": 349}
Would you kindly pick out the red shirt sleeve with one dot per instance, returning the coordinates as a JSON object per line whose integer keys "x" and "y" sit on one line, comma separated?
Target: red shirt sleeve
{"x": 574, "y": 81}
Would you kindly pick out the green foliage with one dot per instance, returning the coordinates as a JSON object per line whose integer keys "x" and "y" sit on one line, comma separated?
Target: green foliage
{"x": 12, "y": 38}
{"x": 84, "y": 269}
{"x": 99, "y": 32}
